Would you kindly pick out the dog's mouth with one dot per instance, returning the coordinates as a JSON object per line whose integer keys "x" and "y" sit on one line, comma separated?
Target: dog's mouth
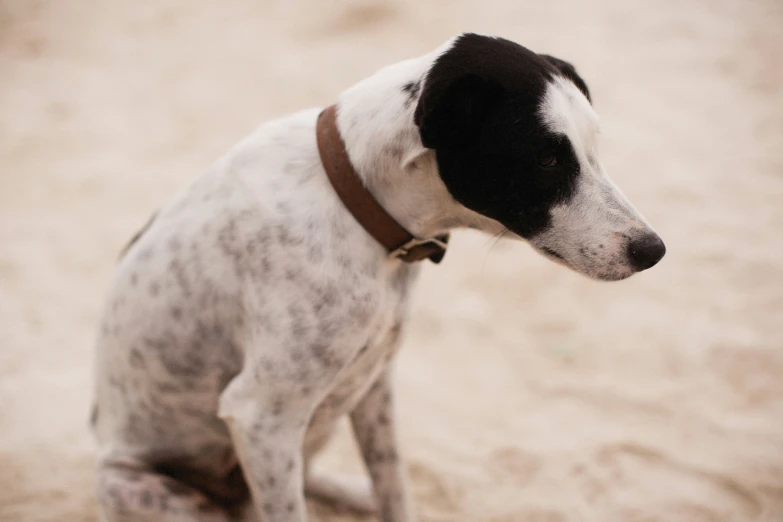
{"x": 609, "y": 271}
{"x": 552, "y": 253}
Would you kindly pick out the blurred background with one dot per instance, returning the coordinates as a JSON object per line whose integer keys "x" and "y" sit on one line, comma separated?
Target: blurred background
{"x": 527, "y": 392}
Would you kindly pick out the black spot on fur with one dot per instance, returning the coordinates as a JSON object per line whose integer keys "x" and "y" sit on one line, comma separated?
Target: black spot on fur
{"x": 228, "y": 241}
{"x": 321, "y": 353}
{"x": 188, "y": 364}
{"x": 286, "y": 237}
{"x": 315, "y": 253}
{"x": 137, "y": 359}
{"x": 479, "y": 110}
{"x": 326, "y": 296}
{"x": 146, "y": 499}
{"x": 94, "y": 415}
{"x": 176, "y": 268}
{"x": 268, "y": 366}
{"x": 299, "y": 324}
{"x": 412, "y": 90}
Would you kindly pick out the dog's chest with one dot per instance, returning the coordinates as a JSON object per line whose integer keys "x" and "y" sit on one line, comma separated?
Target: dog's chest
{"x": 373, "y": 358}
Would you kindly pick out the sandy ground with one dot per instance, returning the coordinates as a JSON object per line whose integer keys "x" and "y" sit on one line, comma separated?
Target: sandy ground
{"x": 527, "y": 393}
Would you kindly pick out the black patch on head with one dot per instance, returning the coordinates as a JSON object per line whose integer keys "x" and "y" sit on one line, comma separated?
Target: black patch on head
{"x": 479, "y": 110}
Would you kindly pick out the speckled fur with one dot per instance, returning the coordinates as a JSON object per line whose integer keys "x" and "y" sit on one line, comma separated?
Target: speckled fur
{"x": 253, "y": 312}
{"x": 251, "y": 315}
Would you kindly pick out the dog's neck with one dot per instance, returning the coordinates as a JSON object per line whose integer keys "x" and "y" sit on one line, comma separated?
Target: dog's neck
{"x": 376, "y": 121}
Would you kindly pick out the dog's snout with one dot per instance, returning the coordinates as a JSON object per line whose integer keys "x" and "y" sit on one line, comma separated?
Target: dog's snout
{"x": 646, "y": 251}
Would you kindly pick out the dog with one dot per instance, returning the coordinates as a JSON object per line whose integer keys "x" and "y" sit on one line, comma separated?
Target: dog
{"x": 257, "y": 308}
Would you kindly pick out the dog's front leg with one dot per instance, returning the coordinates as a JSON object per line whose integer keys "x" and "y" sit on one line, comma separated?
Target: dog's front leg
{"x": 267, "y": 418}
{"x": 374, "y": 426}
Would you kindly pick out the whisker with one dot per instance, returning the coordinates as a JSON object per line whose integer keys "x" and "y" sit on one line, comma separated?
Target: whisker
{"x": 503, "y": 231}
{"x": 499, "y": 236}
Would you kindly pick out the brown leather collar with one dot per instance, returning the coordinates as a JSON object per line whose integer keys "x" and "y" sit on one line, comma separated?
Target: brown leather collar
{"x": 361, "y": 203}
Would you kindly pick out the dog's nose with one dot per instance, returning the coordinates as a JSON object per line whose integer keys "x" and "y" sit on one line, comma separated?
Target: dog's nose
{"x": 646, "y": 251}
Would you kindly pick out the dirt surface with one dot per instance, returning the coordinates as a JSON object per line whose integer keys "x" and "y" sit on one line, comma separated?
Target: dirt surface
{"x": 528, "y": 393}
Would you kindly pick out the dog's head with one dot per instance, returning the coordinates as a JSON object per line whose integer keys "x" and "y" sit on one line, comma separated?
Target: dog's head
{"x": 514, "y": 135}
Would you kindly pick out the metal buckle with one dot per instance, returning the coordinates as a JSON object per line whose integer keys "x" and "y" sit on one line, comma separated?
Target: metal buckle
{"x": 405, "y": 249}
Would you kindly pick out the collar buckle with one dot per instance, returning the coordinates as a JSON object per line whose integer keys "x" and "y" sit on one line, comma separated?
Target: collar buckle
{"x": 417, "y": 249}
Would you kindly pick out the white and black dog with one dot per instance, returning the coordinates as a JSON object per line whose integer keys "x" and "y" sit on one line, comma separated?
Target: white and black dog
{"x": 254, "y": 311}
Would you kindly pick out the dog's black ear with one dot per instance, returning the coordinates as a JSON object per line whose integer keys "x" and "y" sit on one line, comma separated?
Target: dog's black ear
{"x": 569, "y": 71}
{"x": 451, "y": 115}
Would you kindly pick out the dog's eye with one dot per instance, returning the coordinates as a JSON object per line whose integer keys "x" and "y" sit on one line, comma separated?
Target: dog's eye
{"x": 547, "y": 160}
